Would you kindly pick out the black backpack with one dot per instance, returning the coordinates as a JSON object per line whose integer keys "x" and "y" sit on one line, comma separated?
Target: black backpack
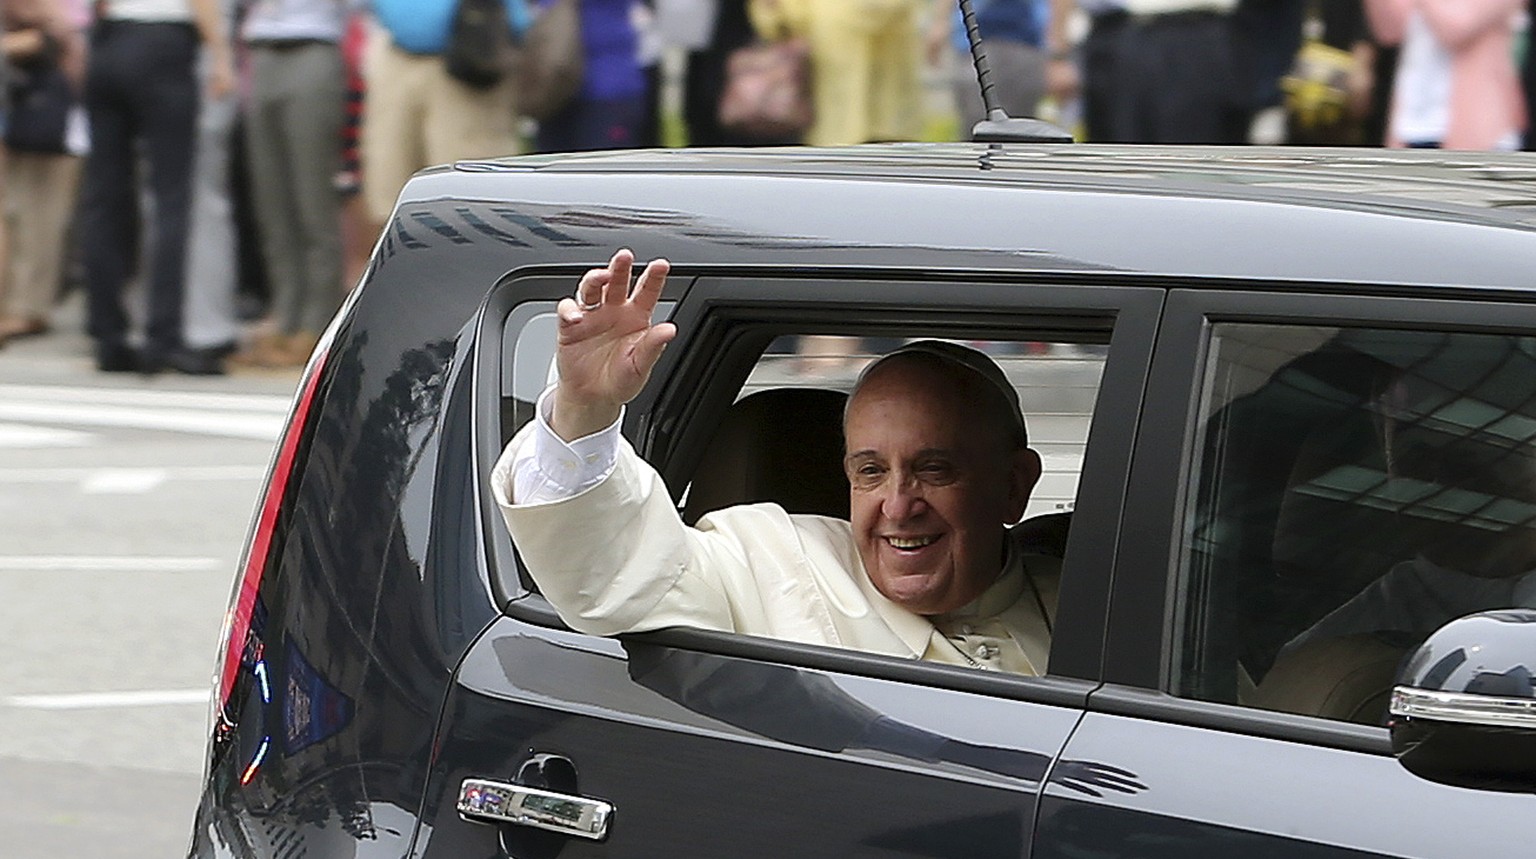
{"x": 481, "y": 46}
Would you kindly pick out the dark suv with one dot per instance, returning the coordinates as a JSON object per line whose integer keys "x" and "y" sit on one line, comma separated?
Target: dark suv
{"x": 1286, "y": 403}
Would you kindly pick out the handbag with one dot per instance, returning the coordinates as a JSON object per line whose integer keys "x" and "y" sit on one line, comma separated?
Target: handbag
{"x": 550, "y": 66}
{"x": 767, "y": 92}
{"x": 481, "y": 48}
{"x": 41, "y": 98}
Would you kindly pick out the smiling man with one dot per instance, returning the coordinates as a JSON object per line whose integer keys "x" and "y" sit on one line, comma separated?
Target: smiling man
{"x": 938, "y": 465}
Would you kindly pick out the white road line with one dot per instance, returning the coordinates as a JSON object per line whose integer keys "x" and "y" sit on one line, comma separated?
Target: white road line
{"x": 266, "y": 403}
{"x": 123, "y": 481}
{"x": 107, "y": 564}
{"x": 172, "y": 473}
{"x": 20, "y": 435}
{"x": 235, "y": 424}
{"x": 105, "y": 700}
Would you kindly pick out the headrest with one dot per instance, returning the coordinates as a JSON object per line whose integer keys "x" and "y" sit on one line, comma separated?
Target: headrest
{"x": 1348, "y": 678}
{"x": 783, "y": 445}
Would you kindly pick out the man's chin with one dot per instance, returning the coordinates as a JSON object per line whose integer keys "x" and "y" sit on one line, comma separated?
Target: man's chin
{"x": 918, "y": 592}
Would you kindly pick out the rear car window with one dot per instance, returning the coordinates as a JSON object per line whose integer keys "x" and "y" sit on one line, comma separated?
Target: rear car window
{"x": 1353, "y": 490}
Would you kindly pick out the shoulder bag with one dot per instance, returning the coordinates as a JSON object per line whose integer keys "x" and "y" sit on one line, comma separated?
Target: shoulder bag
{"x": 550, "y": 66}
{"x": 767, "y": 92}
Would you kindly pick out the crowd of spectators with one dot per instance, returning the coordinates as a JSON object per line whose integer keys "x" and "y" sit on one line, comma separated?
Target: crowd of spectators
{"x": 226, "y": 164}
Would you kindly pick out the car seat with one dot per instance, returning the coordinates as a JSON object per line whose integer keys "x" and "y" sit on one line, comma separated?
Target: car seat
{"x": 783, "y": 445}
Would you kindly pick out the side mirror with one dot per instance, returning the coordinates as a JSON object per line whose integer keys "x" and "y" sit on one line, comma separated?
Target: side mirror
{"x": 1464, "y": 710}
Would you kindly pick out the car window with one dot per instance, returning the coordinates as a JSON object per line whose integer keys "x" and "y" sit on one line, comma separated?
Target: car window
{"x": 1057, "y": 381}
{"x": 1352, "y": 490}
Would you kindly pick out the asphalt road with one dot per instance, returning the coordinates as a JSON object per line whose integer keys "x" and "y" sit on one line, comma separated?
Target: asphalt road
{"x": 123, "y": 506}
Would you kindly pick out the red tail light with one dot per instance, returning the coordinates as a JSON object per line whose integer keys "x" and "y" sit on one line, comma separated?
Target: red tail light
{"x": 237, "y": 623}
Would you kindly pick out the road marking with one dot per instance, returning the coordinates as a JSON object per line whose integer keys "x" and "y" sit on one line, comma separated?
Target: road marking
{"x": 172, "y": 473}
{"x": 122, "y": 481}
{"x": 234, "y": 424}
{"x": 19, "y": 435}
{"x": 252, "y": 416}
{"x": 266, "y": 403}
{"x": 106, "y": 700}
{"x": 107, "y": 564}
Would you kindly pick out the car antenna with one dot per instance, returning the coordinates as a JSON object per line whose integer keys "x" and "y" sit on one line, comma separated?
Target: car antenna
{"x": 999, "y": 127}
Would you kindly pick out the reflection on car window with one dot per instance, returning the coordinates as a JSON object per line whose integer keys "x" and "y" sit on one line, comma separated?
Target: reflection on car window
{"x": 1354, "y": 490}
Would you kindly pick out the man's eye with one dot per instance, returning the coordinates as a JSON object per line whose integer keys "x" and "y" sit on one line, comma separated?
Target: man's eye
{"x": 867, "y": 474}
{"x": 936, "y": 472}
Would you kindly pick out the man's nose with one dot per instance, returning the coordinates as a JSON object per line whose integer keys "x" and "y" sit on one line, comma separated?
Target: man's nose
{"x": 903, "y": 499}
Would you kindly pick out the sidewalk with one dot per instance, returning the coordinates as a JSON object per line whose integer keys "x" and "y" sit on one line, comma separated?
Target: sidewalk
{"x": 64, "y": 357}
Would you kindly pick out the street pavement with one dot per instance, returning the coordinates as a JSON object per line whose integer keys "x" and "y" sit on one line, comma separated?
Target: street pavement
{"x": 124, "y": 502}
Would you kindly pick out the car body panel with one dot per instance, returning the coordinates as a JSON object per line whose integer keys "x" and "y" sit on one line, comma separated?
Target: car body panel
{"x": 380, "y": 590}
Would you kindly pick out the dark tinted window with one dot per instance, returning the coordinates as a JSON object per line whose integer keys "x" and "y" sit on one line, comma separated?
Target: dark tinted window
{"x": 1353, "y": 490}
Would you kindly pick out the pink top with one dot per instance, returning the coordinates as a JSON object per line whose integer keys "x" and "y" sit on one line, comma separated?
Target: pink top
{"x": 1486, "y": 103}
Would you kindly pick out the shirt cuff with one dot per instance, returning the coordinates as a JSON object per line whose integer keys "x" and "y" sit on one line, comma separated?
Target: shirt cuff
{"x": 554, "y": 469}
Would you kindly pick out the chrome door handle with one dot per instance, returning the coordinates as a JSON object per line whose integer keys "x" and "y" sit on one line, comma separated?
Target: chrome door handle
{"x": 485, "y": 801}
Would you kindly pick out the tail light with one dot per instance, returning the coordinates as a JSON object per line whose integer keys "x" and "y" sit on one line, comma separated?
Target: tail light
{"x": 238, "y": 646}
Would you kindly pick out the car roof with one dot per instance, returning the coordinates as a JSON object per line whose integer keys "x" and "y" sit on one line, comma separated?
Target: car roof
{"x": 1503, "y": 184}
{"x": 1391, "y": 218}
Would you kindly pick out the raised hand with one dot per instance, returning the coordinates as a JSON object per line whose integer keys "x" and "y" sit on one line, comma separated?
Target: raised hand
{"x": 607, "y": 344}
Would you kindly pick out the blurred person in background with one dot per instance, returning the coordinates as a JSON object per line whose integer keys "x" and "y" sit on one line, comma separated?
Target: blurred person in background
{"x": 703, "y": 82}
{"x": 209, "y": 322}
{"x": 866, "y": 60}
{"x": 142, "y": 92}
{"x": 414, "y": 113}
{"x": 1013, "y": 31}
{"x": 1153, "y": 71}
{"x": 45, "y": 48}
{"x": 1340, "y": 25}
{"x": 610, "y": 110}
{"x": 1456, "y": 85}
{"x": 295, "y": 115}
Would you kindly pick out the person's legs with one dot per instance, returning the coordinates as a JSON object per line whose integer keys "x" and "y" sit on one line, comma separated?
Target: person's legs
{"x": 39, "y": 201}
{"x": 393, "y": 118}
{"x": 271, "y": 195}
{"x": 209, "y": 304}
{"x": 315, "y": 116}
{"x": 462, "y": 123}
{"x": 167, "y": 102}
{"x": 1198, "y": 96}
{"x": 108, "y": 220}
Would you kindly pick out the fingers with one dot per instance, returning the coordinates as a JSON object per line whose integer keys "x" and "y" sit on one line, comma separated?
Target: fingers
{"x": 589, "y": 290}
{"x": 610, "y": 286}
{"x": 652, "y": 281}
{"x": 648, "y": 350}
{"x": 616, "y": 290}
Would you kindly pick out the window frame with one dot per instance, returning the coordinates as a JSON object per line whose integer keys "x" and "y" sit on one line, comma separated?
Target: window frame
{"x": 703, "y": 368}
{"x": 1141, "y": 638}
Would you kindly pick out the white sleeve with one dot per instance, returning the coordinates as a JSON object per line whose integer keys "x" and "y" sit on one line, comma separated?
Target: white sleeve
{"x": 550, "y": 470}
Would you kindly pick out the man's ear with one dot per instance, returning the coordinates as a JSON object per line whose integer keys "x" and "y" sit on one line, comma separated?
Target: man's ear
{"x": 1023, "y": 473}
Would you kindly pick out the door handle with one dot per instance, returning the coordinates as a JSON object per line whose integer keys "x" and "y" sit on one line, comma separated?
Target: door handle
{"x": 486, "y": 801}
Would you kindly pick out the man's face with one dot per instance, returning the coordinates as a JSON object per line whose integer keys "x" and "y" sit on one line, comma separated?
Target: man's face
{"x": 930, "y": 490}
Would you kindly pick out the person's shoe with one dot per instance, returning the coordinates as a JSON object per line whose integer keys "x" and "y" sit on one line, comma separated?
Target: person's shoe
{"x": 197, "y": 362}
{"x": 188, "y": 362}
{"x": 298, "y": 346}
{"x": 266, "y": 350}
{"x": 117, "y": 358}
{"x": 17, "y": 327}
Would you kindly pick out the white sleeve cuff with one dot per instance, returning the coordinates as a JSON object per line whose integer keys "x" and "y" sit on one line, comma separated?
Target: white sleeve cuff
{"x": 551, "y": 470}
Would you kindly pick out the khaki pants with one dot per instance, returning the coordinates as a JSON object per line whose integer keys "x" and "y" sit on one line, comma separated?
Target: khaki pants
{"x": 415, "y": 116}
{"x": 39, "y": 204}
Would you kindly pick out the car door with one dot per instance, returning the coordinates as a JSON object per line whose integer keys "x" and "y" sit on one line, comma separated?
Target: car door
{"x": 1334, "y": 454}
{"x": 711, "y": 744}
